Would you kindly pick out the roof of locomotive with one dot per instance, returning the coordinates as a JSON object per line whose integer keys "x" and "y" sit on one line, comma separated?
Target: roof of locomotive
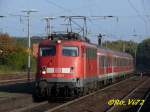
{"x": 70, "y": 36}
{"x": 76, "y": 38}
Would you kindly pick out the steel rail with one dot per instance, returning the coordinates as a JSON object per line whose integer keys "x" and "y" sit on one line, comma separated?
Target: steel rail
{"x": 112, "y": 108}
{"x": 80, "y": 98}
{"x": 145, "y": 99}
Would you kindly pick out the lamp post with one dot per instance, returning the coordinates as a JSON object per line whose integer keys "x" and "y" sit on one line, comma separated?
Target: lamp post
{"x": 136, "y": 47}
{"x": 1, "y": 28}
{"x": 28, "y": 12}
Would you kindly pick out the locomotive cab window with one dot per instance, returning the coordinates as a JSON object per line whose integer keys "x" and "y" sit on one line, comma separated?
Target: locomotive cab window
{"x": 70, "y": 51}
{"x": 47, "y": 51}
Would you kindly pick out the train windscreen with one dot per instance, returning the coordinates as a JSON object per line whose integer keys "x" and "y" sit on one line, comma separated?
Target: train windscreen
{"x": 70, "y": 51}
{"x": 47, "y": 51}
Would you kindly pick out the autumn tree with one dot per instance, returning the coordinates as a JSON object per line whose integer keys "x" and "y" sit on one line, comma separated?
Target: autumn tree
{"x": 6, "y": 44}
{"x": 13, "y": 55}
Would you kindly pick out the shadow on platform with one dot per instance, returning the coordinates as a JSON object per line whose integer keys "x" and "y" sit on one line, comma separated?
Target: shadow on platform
{"x": 18, "y": 88}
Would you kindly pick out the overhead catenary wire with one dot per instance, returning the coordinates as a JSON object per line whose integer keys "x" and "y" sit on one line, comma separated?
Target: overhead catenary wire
{"x": 67, "y": 10}
{"x": 60, "y": 7}
{"x": 28, "y": 12}
{"x": 1, "y": 29}
{"x": 138, "y": 13}
{"x": 73, "y": 12}
{"x": 134, "y": 8}
{"x": 144, "y": 8}
{"x": 49, "y": 25}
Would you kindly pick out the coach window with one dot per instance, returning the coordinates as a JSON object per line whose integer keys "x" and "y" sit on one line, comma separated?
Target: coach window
{"x": 113, "y": 61}
{"x": 105, "y": 61}
{"x": 102, "y": 59}
{"x": 70, "y": 51}
{"x": 118, "y": 60}
{"x": 91, "y": 53}
{"x": 47, "y": 51}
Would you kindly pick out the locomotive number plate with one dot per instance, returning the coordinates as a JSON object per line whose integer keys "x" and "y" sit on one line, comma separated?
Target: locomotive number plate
{"x": 57, "y": 70}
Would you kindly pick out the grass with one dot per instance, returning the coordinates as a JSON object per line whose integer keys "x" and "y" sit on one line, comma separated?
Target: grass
{"x": 7, "y": 70}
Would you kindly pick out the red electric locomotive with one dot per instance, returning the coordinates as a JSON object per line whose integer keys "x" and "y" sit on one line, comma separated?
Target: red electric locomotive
{"x": 69, "y": 65}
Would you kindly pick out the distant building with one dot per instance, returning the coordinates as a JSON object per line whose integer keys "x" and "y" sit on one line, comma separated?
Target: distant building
{"x": 35, "y": 50}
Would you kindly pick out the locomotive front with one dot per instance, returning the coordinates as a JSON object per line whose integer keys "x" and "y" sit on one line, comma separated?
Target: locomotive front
{"x": 59, "y": 68}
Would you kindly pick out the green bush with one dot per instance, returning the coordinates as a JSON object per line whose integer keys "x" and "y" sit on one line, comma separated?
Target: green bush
{"x": 17, "y": 61}
{"x": 13, "y": 55}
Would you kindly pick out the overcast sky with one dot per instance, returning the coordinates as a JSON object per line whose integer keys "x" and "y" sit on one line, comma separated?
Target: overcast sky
{"x": 134, "y": 17}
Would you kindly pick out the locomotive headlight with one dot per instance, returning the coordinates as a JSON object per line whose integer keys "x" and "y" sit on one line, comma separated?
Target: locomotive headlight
{"x": 44, "y": 72}
{"x": 58, "y": 41}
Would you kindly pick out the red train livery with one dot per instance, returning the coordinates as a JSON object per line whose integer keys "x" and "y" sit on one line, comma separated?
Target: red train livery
{"x": 69, "y": 65}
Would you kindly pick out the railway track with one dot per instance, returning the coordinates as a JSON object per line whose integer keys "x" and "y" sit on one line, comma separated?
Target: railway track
{"x": 45, "y": 105}
{"x": 14, "y": 78}
{"x": 98, "y": 99}
{"x": 132, "y": 96}
{"x": 63, "y": 107}
{"x": 78, "y": 105}
{"x": 13, "y": 81}
{"x": 145, "y": 107}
